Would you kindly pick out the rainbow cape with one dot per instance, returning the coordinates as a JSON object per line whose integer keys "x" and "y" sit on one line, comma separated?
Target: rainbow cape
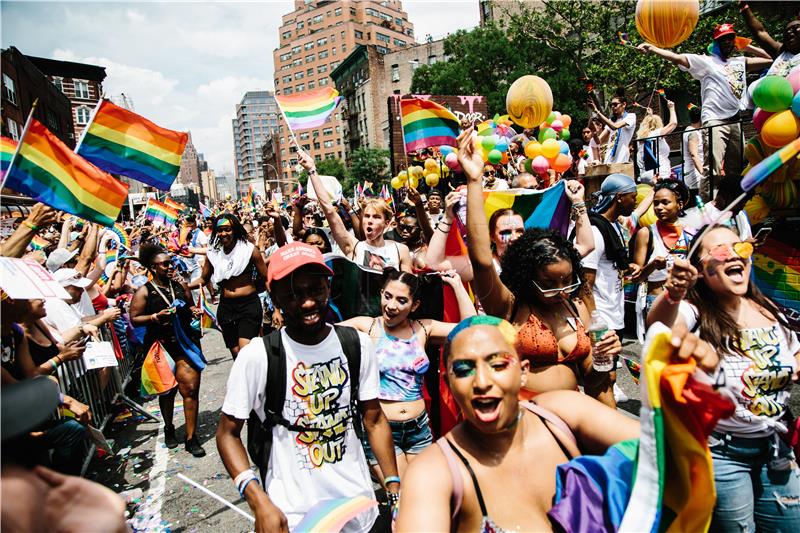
{"x": 548, "y": 208}
{"x": 158, "y": 371}
{"x": 122, "y": 142}
{"x": 308, "y": 109}
{"x": 49, "y": 172}
{"x": 7, "y": 149}
{"x": 160, "y": 213}
{"x": 332, "y": 515}
{"x": 426, "y": 123}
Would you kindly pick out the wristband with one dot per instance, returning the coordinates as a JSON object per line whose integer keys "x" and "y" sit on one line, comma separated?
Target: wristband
{"x": 34, "y": 227}
{"x": 55, "y": 366}
{"x": 244, "y": 486}
{"x": 391, "y": 479}
{"x": 578, "y": 205}
{"x": 312, "y": 171}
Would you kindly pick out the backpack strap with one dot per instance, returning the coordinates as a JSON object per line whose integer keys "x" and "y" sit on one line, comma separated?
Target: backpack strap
{"x": 276, "y": 378}
{"x": 351, "y": 346}
{"x": 458, "y": 482}
{"x": 548, "y": 416}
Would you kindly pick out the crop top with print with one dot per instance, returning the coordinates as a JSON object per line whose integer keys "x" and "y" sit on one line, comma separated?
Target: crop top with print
{"x": 402, "y": 364}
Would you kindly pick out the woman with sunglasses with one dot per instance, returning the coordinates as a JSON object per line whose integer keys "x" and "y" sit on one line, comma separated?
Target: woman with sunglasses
{"x": 755, "y": 471}
{"x": 399, "y": 343}
{"x": 537, "y": 292}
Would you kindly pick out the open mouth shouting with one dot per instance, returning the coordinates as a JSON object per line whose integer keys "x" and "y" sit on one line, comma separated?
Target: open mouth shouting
{"x": 487, "y": 408}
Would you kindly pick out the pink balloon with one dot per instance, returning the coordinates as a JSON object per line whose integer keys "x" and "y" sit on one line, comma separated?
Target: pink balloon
{"x": 794, "y": 79}
{"x": 760, "y": 117}
{"x": 540, "y": 164}
{"x": 557, "y": 125}
{"x": 451, "y": 160}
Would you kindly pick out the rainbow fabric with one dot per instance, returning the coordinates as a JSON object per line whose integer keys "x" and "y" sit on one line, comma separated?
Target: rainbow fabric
{"x": 634, "y": 368}
{"x": 208, "y": 319}
{"x": 308, "y": 109}
{"x": 767, "y": 166}
{"x": 666, "y": 483}
{"x": 7, "y": 149}
{"x": 777, "y": 270}
{"x": 38, "y": 243}
{"x": 49, "y": 172}
{"x": 332, "y": 515}
{"x": 160, "y": 213}
{"x": 539, "y": 209}
{"x": 623, "y": 38}
{"x": 122, "y": 235}
{"x": 122, "y": 142}
{"x": 300, "y": 191}
{"x": 426, "y": 123}
{"x": 158, "y": 371}
{"x": 205, "y": 211}
{"x": 177, "y": 206}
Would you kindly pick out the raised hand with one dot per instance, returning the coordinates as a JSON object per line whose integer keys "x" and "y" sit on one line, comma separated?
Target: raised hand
{"x": 469, "y": 157}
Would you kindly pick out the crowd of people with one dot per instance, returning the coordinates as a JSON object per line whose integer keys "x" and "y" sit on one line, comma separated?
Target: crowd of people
{"x": 335, "y": 406}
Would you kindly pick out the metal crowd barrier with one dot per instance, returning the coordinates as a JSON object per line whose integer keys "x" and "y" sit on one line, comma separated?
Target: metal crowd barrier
{"x": 101, "y": 389}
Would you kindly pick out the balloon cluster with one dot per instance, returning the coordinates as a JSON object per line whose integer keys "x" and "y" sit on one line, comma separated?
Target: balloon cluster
{"x": 551, "y": 150}
{"x": 431, "y": 172}
{"x": 494, "y": 136}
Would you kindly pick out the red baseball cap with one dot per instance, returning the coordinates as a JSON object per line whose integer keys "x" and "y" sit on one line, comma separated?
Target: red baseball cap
{"x": 289, "y": 258}
{"x": 723, "y": 29}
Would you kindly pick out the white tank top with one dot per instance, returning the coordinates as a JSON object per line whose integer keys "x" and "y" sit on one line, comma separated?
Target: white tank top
{"x": 377, "y": 258}
{"x": 660, "y": 249}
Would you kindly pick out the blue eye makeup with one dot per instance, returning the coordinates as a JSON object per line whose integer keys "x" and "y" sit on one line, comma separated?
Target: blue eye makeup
{"x": 498, "y": 362}
{"x": 463, "y": 369}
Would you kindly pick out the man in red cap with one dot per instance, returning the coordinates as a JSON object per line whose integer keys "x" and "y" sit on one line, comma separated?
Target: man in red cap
{"x": 723, "y": 82}
{"x": 315, "y": 453}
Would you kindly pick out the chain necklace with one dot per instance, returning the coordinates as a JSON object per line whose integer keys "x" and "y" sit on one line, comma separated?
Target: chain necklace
{"x": 163, "y": 297}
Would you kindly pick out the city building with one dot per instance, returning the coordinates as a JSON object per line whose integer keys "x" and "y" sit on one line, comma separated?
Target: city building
{"x": 22, "y": 84}
{"x": 257, "y": 117}
{"x": 226, "y": 186}
{"x": 270, "y": 163}
{"x": 498, "y": 11}
{"x": 81, "y": 83}
{"x": 207, "y": 180}
{"x": 314, "y": 39}
{"x": 189, "y": 174}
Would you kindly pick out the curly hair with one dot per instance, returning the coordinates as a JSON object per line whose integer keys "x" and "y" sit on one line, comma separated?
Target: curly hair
{"x": 148, "y": 252}
{"x": 239, "y": 233}
{"x": 534, "y": 250}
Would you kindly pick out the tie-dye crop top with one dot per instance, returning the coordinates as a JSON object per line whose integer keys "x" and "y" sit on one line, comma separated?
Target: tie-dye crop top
{"x": 402, "y": 364}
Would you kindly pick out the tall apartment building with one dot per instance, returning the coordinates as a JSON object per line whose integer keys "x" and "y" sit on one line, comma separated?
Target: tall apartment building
{"x": 189, "y": 174}
{"x": 314, "y": 39}
{"x": 256, "y": 121}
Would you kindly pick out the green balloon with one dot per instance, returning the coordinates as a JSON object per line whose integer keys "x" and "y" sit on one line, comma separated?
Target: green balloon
{"x": 564, "y": 135}
{"x": 547, "y": 133}
{"x": 773, "y": 93}
{"x": 487, "y": 142}
{"x": 495, "y": 156}
{"x": 552, "y": 117}
{"x": 529, "y": 166}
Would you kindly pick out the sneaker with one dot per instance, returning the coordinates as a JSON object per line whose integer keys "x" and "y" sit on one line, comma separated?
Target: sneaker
{"x": 170, "y": 441}
{"x": 193, "y": 447}
{"x": 619, "y": 394}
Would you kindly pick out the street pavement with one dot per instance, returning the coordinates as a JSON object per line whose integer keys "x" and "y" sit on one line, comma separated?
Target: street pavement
{"x": 145, "y": 472}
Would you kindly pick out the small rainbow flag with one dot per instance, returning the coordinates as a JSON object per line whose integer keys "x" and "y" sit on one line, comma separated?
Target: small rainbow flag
{"x": 583, "y": 154}
{"x": 158, "y": 371}
{"x": 7, "y": 149}
{"x": 359, "y": 190}
{"x": 205, "y": 211}
{"x": 39, "y": 243}
{"x": 122, "y": 235}
{"x": 690, "y": 106}
{"x": 426, "y": 123}
{"x": 177, "y": 206}
{"x": 308, "y": 109}
{"x": 623, "y": 38}
{"x": 661, "y": 93}
{"x": 160, "y": 213}
{"x": 49, "y": 172}
{"x": 634, "y": 368}
{"x": 332, "y": 515}
{"x": 300, "y": 191}
{"x": 122, "y": 142}
{"x": 208, "y": 320}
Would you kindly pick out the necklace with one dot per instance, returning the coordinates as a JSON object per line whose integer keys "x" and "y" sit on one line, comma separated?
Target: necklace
{"x": 171, "y": 293}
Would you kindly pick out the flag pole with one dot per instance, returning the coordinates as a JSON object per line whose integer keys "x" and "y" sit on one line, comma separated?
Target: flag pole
{"x": 291, "y": 131}
{"x": 19, "y": 143}
{"x": 91, "y": 120}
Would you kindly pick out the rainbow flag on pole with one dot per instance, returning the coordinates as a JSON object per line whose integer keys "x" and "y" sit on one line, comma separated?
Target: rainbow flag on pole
{"x": 208, "y": 320}
{"x": 122, "y": 142}
{"x": 7, "y": 149}
{"x": 160, "y": 213}
{"x": 308, "y": 109}
{"x": 426, "y": 123}
{"x": 49, "y": 172}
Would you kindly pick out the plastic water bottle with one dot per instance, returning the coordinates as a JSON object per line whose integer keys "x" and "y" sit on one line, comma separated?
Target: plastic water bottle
{"x": 597, "y": 328}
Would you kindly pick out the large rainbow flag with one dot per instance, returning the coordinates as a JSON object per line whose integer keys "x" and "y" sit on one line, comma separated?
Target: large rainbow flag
{"x": 426, "y": 123}
{"x": 7, "y": 149}
{"x": 160, "y": 213}
{"x": 308, "y": 109}
{"x": 664, "y": 482}
{"x": 122, "y": 142}
{"x": 548, "y": 208}
{"x": 48, "y": 171}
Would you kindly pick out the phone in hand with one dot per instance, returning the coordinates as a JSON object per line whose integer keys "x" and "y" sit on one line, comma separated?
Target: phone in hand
{"x": 761, "y": 235}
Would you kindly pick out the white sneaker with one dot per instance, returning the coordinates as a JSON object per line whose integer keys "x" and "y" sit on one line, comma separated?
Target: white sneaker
{"x": 619, "y": 394}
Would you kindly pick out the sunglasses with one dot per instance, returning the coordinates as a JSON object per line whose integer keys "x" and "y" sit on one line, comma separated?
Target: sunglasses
{"x": 560, "y": 290}
{"x": 723, "y": 252}
{"x": 614, "y": 104}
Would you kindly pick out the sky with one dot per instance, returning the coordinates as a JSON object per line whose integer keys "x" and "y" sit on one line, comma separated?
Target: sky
{"x": 185, "y": 65}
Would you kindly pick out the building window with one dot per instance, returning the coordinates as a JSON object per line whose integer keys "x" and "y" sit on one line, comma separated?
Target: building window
{"x": 300, "y": 87}
{"x": 344, "y": 48}
{"x": 287, "y": 79}
{"x": 409, "y": 32}
{"x": 81, "y": 89}
{"x": 337, "y": 11}
{"x": 322, "y": 68}
{"x": 328, "y": 144}
{"x": 323, "y": 81}
{"x": 316, "y": 146}
{"x": 13, "y": 128}
{"x": 334, "y": 50}
{"x": 288, "y": 90}
{"x": 304, "y": 136}
{"x": 82, "y": 115}
{"x": 309, "y": 45}
{"x": 382, "y": 49}
{"x": 58, "y": 82}
{"x": 399, "y": 22}
{"x": 322, "y": 54}
{"x": 297, "y": 61}
{"x": 327, "y": 131}
{"x": 323, "y": 41}
{"x": 299, "y": 75}
{"x": 334, "y": 64}
{"x": 311, "y": 58}
{"x": 295, "y": 49}
{"x": 395, "y": 72}
{"x": 311, "y": 84}
{"x": 399, "y": 43}
{"x": 9, "y": 91}
{"x": 301, "y": 25}
{"x": 382, "y": 37}
{"x": 286, "y": 56}
{"x": 287, "y": 34}
{"x": 359, "y": 34}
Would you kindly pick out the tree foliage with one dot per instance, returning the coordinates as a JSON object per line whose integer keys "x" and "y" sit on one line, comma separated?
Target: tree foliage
{"x": 367, "y": 164}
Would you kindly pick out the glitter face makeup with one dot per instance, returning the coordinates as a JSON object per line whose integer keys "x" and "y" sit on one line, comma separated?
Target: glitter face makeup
{"x": 498, "y": 362}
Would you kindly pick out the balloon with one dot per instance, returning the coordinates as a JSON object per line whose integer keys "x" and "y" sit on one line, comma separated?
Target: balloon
{"x": 796, "y": 104}
{"x": 446, "y": 170}
{"x": 564, "y": 135}
{"x": 563, "y": 147}
{"x": 562, "y": 162}
{"x": 488, "y": 142}
{"x": 566, "y": 120}
{"x": 794, "y": 80}
{"x": 529, "y": 165}
{"x": 540, "y": 164}
{"x": 547, "y": 133}
{"x": 550, "y": 148}
{"x": 451, "y": 160}
{"x": 494, "y": 157}
{"x": 431, "y": 164}
{"x": 532, "y": 149}
{"x": 415, "y": 171}
{"x": 552, "y": 117}
{"x": 413, "y": 182}
{"x": 649, "y": 218}
{"x": 773, "y": 93}
{"x": 445, "y": 150}
{"x": 432, "y": 180}
{"x": 557, "y": 125}
{"x": 402, "y": 176}
{"x": 504, "y": 158}
{"x": 780, "y": 129}
{"x": 502, "y": 144}
{"x": 759, "y": 117}
{"x": 757, "y": 209}
{"x": 529, "y": 100}
{"x": 666, "y": 23}
{"x": 396, "y": 182}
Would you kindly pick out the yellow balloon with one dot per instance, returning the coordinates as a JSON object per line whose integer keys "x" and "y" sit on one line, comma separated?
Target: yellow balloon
{"x": 432, "y": 180}
{"x": 445, "y": 170}
{"x": 413, "y": 181}
{"x": 649, "y": 218}
{"x": 529, "y": 101}
{"x": 666, "y": 23}
{"x": 780, "y": 129}
{"x": 397, "y": 183}
{"x": 757, "y": 209}
{"x": 532, "y": 149}
{"x": 402, "y": 176}
{"x": 431, "y": 163}
{"x": 550, "y": 148}
{"x": 415, "y": 171}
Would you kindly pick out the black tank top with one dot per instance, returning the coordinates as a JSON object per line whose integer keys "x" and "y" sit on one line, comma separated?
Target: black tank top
{"x": 155, "y": 303}
{"x": 41, "y": 354}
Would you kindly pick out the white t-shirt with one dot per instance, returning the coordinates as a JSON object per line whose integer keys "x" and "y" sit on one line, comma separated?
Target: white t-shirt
{"x": 62, "y": 316}
{"x": 619, "y": 140}
{"x": 722, "y": 84}
{"x": 664, "y": 167}
{"x": 782, "y": 66}
{"x": 760, "y": 383}
{"x": 692, "y": 174}
{"x": 307, "y": 468}
{"x": 377, "y": 258}
{"x": 609, "y": 298}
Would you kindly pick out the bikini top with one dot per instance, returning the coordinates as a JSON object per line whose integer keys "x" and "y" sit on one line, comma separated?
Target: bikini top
{"x": 402, "y": 364}
{"x": 452, "y": 454}
{"x": 537, "y": 343}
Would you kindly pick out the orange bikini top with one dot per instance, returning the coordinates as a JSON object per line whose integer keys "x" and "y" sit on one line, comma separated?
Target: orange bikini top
{"x": 537, "y": 343}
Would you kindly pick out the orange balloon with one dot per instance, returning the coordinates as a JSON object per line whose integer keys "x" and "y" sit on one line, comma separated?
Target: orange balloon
{"x": 566, "y": 120}
{"x": 504, "y": 160}
{"x": 532, "y": 149}
{"x": 561, "y": 162}
{"x": 666, "y": 23}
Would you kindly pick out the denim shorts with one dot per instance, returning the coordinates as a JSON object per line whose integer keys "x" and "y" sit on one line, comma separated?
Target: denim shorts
{"x": 409, "y": 436}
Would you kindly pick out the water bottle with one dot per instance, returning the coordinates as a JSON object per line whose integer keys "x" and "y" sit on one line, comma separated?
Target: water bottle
{"x": 597, "y": 328}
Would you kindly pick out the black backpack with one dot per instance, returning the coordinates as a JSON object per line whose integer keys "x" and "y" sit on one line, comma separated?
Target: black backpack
{"x": 259, "y": 434}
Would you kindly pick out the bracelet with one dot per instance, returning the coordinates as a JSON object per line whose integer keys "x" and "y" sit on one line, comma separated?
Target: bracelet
{"x": 55, "y": 366}
{"x": 312, "y": 171}
{"x": 391, "y": 479}
{"x": 244, "y": 486}
{"x": 34, "y": 227}
{"x": 242, "y": 477}
{"x": 668, "y": 297}
{"x": 60, "y": 361}
{"x": 392, "y": 498}
{"x": 578, "y": 205}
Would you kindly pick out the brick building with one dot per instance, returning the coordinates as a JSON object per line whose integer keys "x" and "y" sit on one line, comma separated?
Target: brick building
{"x": 22, "y": 84}
{"x": 314, "y": 39}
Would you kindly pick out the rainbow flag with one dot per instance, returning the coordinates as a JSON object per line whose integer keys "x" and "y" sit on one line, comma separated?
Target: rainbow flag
{"x": 548, "y": 208}
{"x": 158, "y": 371}
{"x": 623, "y": 38}
{"x": 661, "y": 93}
{"x": 122, "y": 142}
{"x": 300, "y": 191}
{"x": 205, "y": 211}
{"x": 332, "y": 515}
{"x": 208, "y": 320}
{"x": 308, "y": 109}
{"x": 49, "y": 172}
{"x": 426, "y": 123}
{"x": 122, "y": 236}
{"x": 160, "y": 213}
{"x": 359, "y": 190}
{"x": 177, "y": 206}
{"x": 38, "y": 243}
{"x": 7, "y": 149}
{"x": 634, "y": 368}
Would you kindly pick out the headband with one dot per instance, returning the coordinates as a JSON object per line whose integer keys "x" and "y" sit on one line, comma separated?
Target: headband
{"x": 223, "y": 222}
{"x": 506, "y": 329}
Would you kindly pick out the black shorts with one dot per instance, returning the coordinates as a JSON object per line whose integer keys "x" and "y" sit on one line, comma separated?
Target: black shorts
{"x": 240, "y": 318}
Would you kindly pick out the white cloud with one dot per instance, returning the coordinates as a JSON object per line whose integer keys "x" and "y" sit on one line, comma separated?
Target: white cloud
{"x": 135, "y": 17}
